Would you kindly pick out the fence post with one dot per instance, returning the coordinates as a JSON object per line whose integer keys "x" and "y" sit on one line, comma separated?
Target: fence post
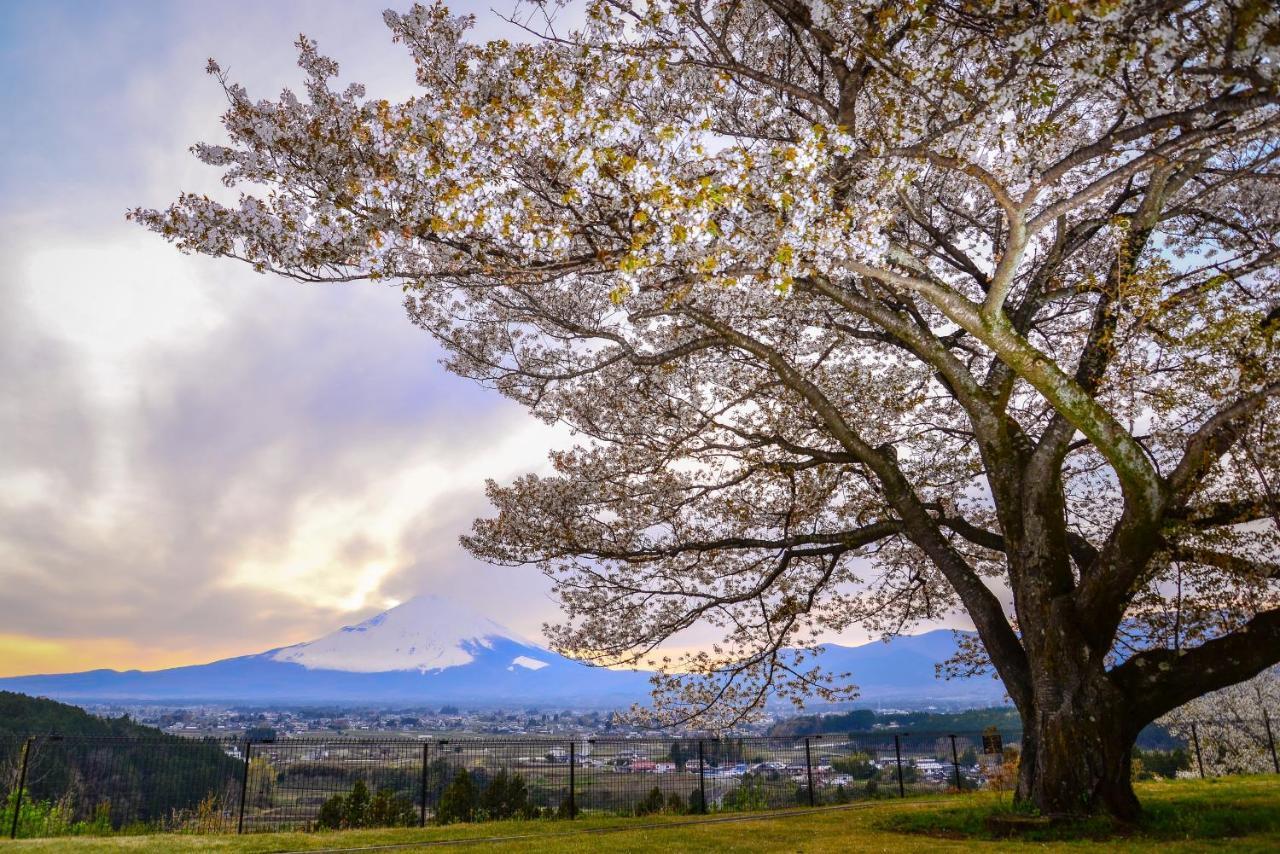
{"x": 22, "y": 782}
{"x": 422, "y": 820}
{"x": 702, "y": 777}
{"x": 955, "y": 761}
{"x": 808, "y": 767}
{"x": 897, "y": 752}
{"x": 1271, "y": 740}
{"x": 573, "y": 761}
{"x": 244, "y": 785}
{"x": 1195, "y": 739}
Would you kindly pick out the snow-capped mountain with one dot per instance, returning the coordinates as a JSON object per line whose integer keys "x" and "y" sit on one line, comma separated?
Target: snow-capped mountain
{"x": 432, "y": 650}
{"x": 425, "y": 634}
{"x": 427, "y": 650}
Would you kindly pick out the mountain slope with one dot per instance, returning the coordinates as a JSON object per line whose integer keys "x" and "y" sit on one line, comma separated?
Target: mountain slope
{"x": 431, "y": 650}
{"x": 905, "y": 668}
{"x": 425, "y": 634}
{"x": 427, "y": 650}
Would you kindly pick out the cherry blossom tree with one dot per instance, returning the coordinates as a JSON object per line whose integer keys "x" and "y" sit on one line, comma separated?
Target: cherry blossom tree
{"x": 865, "y": 313}
{"x": 1233, "y": 726}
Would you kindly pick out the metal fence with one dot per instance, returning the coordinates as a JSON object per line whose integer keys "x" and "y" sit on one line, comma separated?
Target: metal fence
{"x": 51, "y": 785}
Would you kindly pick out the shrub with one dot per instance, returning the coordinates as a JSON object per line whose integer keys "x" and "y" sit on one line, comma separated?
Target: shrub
{"x": 1148, "y": 764}
{"x": 651, "y": 803}
{"x": 53, "y": 818}
{"x": 458, "y": 803}
{"x": 507, "y": 796}
{"x": 748, "y": 796}
{"x": 359, "y": 809}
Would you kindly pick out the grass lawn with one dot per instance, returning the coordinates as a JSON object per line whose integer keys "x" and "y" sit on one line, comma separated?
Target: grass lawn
{"x": 1235, "y": 814}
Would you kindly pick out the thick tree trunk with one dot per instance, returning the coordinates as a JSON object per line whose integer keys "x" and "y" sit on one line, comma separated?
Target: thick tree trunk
{"x": 1076, "y": 755}
{"x": 1077, "y": 727}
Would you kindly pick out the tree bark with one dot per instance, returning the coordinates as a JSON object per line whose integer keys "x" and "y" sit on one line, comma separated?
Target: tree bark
{"x": 1076, "y": 758}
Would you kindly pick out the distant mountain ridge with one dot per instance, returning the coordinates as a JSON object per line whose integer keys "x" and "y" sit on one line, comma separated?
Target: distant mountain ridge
{"x": 432, "y": 650}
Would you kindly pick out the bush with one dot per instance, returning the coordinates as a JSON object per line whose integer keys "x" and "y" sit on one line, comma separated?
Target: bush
{"x": 651, "y": 803}
{"x": 468, "y": 798}
{"x": 1148, "y": 764}
{"x": 53, "y": 818}
{"x": 387, "y": 809}
{"x": 507, "y": 796}
{"x": 749, "y": 795}
{"x": 458, "y": 803}
{"x": 357, "y": 809}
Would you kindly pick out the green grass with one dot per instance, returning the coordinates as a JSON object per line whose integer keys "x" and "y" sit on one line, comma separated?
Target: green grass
{"x": 1227, "y": 809}
{"x": 1235, "y": 814}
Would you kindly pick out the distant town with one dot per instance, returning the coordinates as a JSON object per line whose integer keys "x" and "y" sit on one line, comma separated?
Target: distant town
{"x": 432, "y": 722}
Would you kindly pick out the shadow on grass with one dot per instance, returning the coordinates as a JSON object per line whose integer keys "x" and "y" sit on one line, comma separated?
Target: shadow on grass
{"x": 1172, "y": 811}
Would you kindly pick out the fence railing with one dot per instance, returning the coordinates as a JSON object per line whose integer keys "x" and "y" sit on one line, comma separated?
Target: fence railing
{"x": 53, "y": 785}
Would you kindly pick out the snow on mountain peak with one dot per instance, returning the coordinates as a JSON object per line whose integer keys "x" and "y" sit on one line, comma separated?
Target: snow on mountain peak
{"x": 424, "y": 634}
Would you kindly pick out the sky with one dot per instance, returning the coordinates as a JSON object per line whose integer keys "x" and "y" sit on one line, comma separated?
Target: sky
{"x": 197, "y": 461}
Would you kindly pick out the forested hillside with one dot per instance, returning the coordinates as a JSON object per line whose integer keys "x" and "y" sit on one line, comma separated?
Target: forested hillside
{"x": 23, "y": 715}
{"x": 79, "y": 778}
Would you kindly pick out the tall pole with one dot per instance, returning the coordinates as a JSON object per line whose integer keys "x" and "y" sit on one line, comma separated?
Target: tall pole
{"x": 1271, "y": 740}
{"x": 702, "y": 777}
{"x": 897, "y": 752}
{"x": 573, "y": 760}
{"x": 1195, "y": 739}
{"x": 422, "y": 819}
{"x": 808, "y": 765}
{"x": 22, "y": 781}
{"x": 244, "y": 785}
{"x": 955, "y": 761}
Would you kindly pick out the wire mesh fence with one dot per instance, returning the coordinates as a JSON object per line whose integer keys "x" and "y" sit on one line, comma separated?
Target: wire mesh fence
{"x": 51, "y": 785}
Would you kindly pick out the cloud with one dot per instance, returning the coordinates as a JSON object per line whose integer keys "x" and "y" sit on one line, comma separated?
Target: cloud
{"x": 197, "y": 461}
{"x": 253, "y": 468}
{"x": 194, "y": 457}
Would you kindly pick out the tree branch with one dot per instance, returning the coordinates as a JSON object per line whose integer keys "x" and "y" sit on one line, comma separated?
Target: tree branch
{"x": 1160, "y": 680}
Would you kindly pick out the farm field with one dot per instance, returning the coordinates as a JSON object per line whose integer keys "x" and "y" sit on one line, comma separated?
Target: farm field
{"x": 1236, "y": 814}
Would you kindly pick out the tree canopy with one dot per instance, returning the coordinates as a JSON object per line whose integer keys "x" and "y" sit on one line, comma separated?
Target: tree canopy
{"x": 866, "y": 313}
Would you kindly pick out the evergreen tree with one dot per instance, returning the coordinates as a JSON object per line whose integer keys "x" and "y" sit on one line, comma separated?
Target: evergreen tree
{"x": 458, "y": 803}
{"x": 357, "y": 812}
{"x": 391, "y": 810}
{"x": 650, "y": 803}
{"x": 506, "y": 796}
{"x": 677, "y": 755}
